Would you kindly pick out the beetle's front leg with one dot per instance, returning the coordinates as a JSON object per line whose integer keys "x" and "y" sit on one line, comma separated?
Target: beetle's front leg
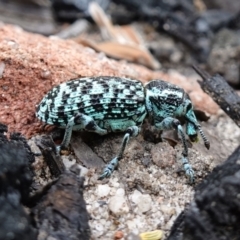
{"x": 171, "y": 123}
{"x": 191, "y": 131}
{"x": 80, "y": 122}
{"x": 193, "y": 124}
{"x": 108, "y": 170}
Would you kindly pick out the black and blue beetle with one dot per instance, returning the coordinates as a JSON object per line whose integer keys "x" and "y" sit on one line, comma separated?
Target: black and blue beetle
{"x": 113, "y": 104}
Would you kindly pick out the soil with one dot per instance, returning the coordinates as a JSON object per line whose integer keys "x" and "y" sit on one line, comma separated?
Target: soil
{"x": 149, "y": 171}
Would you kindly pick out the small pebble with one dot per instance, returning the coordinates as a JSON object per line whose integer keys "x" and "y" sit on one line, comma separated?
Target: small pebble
{"x": 2, "y": 67}
{"x": 67, "y": 163}
{"x": 167, "y": 210}
{"x": 103, "y": 190}
{"x": 120, "y": 192}
{"x": 118, "y": 235}
{"x": 143, "y": 201}
{"x": 83, "y": 171}
{"x": 118, "y": 205}
{"x": 45, "y": 74}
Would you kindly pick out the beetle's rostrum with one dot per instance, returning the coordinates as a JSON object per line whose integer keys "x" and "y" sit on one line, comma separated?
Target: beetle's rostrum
{"x": 114, "y": 104}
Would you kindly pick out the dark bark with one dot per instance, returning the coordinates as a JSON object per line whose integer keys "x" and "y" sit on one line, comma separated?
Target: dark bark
{"x": 15, "y": 223}
{"x": 15, "y": 181}
{"x": 215, "y": 211}
{"x": 217, "y": 87}
{"x": 53, "y": 160}
{"x": 84, "y": 153}
{"x": 15, "y": 161}
{"x": 62, "y": 212}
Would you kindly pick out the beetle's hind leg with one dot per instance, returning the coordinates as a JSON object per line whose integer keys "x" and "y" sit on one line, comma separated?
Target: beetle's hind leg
{"x": 80, "y": 122}
{"x": 108, "y": 170}
{"x": 171, "y": 123}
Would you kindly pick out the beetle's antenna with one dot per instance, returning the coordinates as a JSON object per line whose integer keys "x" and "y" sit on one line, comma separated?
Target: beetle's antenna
{"x": 205, "y": 140}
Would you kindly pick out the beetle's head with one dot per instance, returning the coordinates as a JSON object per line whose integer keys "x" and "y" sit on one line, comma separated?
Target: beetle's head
{"x": 164, "y": 99}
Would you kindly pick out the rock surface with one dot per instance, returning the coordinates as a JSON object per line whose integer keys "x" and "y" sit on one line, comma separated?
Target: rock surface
{"x": 32, "y": 64}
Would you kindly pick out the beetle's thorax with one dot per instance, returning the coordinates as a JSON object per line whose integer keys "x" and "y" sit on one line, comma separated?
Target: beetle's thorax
{"x": 163, "y": 100}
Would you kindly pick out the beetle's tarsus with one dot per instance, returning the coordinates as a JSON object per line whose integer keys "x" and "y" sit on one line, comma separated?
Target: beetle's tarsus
{"x": 108, "y": 170}
{"x": 189, "y": 172}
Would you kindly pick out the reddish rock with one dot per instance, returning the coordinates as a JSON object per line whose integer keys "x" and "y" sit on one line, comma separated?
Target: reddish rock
{"x": 32, "y": 64}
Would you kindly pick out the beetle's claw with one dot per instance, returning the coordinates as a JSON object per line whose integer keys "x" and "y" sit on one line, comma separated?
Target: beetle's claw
{"x": 188, "y": 170}
{"x": 106, "y": 174}
{"x": 190, "y": 175}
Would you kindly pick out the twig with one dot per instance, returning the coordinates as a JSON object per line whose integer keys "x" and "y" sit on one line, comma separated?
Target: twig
{"x": 53, "y": 160}
{"x": 217, "y": 87}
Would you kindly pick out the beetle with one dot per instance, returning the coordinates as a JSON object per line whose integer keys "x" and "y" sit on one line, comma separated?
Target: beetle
{"x": 114, "y": 104}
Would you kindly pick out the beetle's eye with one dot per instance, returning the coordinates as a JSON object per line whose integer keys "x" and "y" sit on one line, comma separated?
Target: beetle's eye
{"x": 189, "y": 107}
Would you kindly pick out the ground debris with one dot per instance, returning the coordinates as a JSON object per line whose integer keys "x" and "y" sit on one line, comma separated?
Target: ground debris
{"x": 217, "y": 87}
{"x": 53, "y": 160}
{"x": 15, "y": 161}
{"x": 214, "y": 212}
{"x": 61, "y": 213}
{"x": 15, "y": 223}
{"x": 224, "y": 56}
{"x": 85, "y": 154}
{"x": 15, "y": 180}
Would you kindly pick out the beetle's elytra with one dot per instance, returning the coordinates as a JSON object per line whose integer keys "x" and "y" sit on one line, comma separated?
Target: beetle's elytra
{"x": 111, "y": 104}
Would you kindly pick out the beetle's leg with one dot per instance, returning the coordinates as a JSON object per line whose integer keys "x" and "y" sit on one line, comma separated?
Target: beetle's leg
{"x": 108, "y": 170}
{"x": 192, "y": 131}
{"x": 80, "y": 122}
{"x": 192, "y": 119}
{"x": 171, "y": 123}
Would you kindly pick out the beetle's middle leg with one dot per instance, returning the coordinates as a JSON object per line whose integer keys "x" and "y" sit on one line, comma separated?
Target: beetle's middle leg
{"x": 171, "y": 123}
{"x": 108, "y": 170}
{"x": 80, "y": 122}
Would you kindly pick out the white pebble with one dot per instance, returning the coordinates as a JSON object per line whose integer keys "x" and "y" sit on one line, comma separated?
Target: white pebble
{"x": 131, "y": 224}
{"x": 118, "y": 205}
{"x": 143, "y": 201}
{"x": 136, "y": 196}
{"x": 145, "y": 204}
{"x": 83, "y": 171}
{"x": 120, "y": 192}
{"x": 99, "y": 227}
{"x": 167, "y": 210}
{"x": 67, "y": 163}
{"x": 103, "y": 190}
